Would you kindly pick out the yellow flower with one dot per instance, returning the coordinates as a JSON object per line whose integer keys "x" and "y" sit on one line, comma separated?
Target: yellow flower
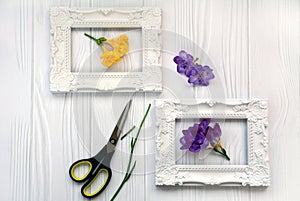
{"x": 109, "y": 58}
{"x": 120, "y": 48}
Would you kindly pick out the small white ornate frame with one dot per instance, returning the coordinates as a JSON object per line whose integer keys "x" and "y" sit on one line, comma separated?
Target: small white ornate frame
{"x": 64, "y": 19}
{"x": 255, "y": 173}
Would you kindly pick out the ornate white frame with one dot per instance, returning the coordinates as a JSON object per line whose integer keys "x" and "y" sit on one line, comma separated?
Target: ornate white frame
{"x": 255, "y": 173}
{"x": 63, "y": 19}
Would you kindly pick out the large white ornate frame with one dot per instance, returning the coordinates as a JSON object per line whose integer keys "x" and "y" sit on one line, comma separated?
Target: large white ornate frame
{"x": 64, "y": 19}
{"x": 255, "y": 173}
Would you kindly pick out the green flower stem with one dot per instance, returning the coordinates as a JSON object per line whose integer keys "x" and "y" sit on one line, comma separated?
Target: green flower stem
{"x": 222, "y": 153}
{"x": 225, "y": 154}
{"x": 99, "y": 41}
{"x": 127, "y": 132}
{"x": 132, "y": 146}
{"x": 91, "y": 37}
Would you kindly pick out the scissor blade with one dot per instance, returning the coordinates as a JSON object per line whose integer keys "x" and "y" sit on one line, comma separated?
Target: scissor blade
{"x": 119, "y": 126}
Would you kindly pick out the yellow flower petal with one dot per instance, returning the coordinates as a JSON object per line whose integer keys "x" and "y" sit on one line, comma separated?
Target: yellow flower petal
{"x": 120, "y": 48}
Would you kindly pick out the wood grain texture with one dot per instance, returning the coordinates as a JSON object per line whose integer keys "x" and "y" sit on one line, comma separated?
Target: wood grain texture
{"x": 252, "y": 45}
{"x": 15, "y": 103}
{"x": 276, "y": 48}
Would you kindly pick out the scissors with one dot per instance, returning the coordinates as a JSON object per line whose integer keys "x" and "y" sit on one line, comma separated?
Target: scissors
{"x": 101, "y": 161}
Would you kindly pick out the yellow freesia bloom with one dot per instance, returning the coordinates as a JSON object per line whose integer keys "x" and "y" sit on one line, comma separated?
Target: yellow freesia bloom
{"x": 120, "y": 48}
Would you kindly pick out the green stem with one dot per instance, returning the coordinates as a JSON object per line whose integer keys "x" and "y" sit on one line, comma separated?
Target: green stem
{"x": 118, "y": 190}
{"x": 222, "y": 153}
{"x": 141, "y": 125}
{"x": 132, "y": 146}
{"x": 127, "y": 132}
{"x": 225, "y": 154}
{"x": 99, "y": 41}
{"x": 130, "y": 172}
{"x": 129, "y": 162}
{"x": 91, "y": 37}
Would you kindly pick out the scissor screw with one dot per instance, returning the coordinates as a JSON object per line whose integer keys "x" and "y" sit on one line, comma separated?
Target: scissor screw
{"x": 112, "y": 141}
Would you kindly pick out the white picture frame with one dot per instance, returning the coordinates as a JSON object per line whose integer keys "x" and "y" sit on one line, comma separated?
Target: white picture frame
{"x": 255, "y": 173}
{"x": 64, "y": 19}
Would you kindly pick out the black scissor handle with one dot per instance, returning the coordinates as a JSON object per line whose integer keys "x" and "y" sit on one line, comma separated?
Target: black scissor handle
{"x": 91, "y": 162}
{"x": 102, "y": 168}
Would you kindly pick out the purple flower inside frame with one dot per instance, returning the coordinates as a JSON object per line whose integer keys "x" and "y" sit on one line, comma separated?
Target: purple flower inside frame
{"x": 201, "y": 135}
{"x": 214, "y": 134}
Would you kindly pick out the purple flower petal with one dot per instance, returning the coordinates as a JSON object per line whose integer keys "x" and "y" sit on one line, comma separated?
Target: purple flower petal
{"x": 192, "y": 79}
{"x": 185, "y": 132}
{"x": 183, "y": 54}
{"x": 197, "y": 74}
{"x": 190, "y": 70}
{"x": 180, "y": 69}
{"x": 199, "y": 136}
{"x": 188, "y": 136}
{"x": 214, "y": 134}
{"x": 202, "y": 76}
{"x": 185, "y": 63}
{"x": 207, "y": 73}
{"x": 184, "y": 143}
{"x": 189, "y": 58}
{"x": 204, "y": 125}
{"x": 195, "y": 147}
{"x": 200, "y": 141}
{"x": 177, "y": 59}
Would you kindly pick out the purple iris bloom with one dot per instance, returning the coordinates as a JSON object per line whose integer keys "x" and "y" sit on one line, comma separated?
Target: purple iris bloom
{"x": 201, "y": 135}
{"x": 188, "y": 136}
{"x": 200, "y": 141}
{"x": 201, "y": 76}
{"x": 203, "y": 126}
{"x": 194, "y": 138}
{"x": 191, "y": 70}
{"x": 214, "y": 134}
{"x": 185, "y": 63}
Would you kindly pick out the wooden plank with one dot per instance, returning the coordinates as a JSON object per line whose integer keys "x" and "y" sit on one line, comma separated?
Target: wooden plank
{"x": 15, "y": 103}
{"x": 60, "y": 124}
{"x": 274, "y": 62}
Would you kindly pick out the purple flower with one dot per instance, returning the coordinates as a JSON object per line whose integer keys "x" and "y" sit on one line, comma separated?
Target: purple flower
{"x": 200, "y": 141}
{"x": 197, "y": 74}
{"x": 191, "y": 70}
{"x": 185, "y": 63}
{"x": 214, "y": 134}
{"x": 203, "y": 126}
{"x": 200, "y": 135}
{"x": 188, "y": 136}
{"x": 201, "y": 76}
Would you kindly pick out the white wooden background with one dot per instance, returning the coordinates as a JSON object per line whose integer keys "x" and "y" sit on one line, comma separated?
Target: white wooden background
{"x": 254, "y": 45}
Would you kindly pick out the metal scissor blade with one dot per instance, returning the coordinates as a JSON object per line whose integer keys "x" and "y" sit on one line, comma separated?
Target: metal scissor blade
{"x": 119, "y": 126}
